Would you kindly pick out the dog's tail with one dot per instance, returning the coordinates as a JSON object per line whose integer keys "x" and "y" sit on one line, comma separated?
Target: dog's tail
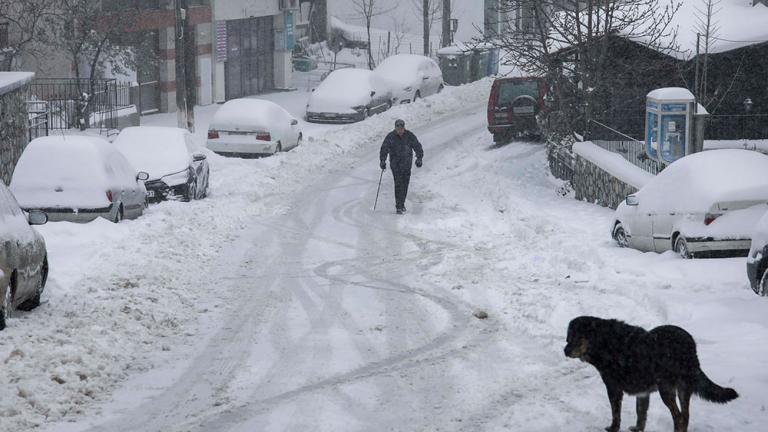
{"x": 712, "y": 392}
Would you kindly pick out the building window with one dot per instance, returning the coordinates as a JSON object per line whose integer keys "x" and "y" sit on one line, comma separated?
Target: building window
{"x": 4, "y": 42}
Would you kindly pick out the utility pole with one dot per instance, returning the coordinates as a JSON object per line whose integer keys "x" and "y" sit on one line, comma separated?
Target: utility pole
{"x": 446, "y": 23}
{"x": 185, "y": 77}
{"x": 425, "y": 6}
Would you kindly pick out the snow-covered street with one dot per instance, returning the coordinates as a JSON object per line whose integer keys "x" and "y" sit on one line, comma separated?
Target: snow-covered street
{"x": 284, "y": 303}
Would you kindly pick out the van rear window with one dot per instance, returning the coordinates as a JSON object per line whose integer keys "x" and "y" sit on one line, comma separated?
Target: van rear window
{"x": 509, "y": 90}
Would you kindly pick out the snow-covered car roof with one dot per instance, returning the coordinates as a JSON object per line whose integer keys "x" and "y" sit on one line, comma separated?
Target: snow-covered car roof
{"x": 158, "y": 151}
{"x": 249, "y": 115}
{"x": 697, "y": 181}
{"x": 57, "y": 168}
{"x": 343, "y": 89}
{"x": 402, "y": 68}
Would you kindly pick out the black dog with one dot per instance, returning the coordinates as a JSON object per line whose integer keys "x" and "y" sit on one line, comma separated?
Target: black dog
{"x": 637, "y": 362}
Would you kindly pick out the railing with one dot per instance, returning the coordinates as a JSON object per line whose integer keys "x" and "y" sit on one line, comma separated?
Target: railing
{"x": 561, "y": 161}
{"x": 38, "y": 119}
{"x": 317, "y": 73}
{"x": 738, "y": 126}
{"x": 74, "y": 103}
{"x": 633, "y": 152}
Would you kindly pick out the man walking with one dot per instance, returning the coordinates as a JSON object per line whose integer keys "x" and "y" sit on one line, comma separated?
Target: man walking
{"x": 400, "y": 145}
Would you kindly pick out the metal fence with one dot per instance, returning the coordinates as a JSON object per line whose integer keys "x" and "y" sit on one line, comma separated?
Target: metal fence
{"x": 729, "y": 127}
{"x": 74, "y": 102}
{"x": 561, "y": 161}
{"x": 633, "y": 152}
{"x": 38, "y": 119}
{"x": 310, "y": 76}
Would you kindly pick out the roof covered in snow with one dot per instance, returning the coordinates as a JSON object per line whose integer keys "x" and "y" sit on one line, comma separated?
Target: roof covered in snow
{"x": 10, "y": 81}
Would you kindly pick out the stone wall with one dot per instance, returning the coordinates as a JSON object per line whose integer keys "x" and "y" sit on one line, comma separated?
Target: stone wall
{"x": 14, "y": 134}
{"x": 593, "y": 184}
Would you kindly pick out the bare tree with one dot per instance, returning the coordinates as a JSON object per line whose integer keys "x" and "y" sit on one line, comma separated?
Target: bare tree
{"x": 94, "y": 39}
{"x": 369, "y": 9}
{"x": 27, "y": 20}
{"x": 709, "y": 28}
{"x": 569, "y": 42}
{"x": 430, "y": 11}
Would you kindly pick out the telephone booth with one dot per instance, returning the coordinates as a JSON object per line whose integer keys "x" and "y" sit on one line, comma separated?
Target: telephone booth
{"x": 669, "y": 123}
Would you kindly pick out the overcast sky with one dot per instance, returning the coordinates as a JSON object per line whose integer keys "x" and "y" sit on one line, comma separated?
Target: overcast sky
{"x": 468, "y": 12}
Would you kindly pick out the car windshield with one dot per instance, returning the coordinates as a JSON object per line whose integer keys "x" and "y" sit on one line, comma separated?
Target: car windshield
{"x": 510, "y": 90}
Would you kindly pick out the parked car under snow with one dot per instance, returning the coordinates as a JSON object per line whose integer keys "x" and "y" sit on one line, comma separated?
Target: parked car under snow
{"x": 252, "y": 127}
{"x": 78, "y": 178}
{"x": 757, "y": 260}
{"x": 23, "y": 258}
{"x": 176, "y": 167}
{"x": 413, "y": 76}
{"x": 701, "y": 204}
{"x": 347, "y": 96}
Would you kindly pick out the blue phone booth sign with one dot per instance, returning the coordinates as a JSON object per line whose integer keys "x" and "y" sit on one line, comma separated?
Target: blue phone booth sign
{"x": 668, "y": 122}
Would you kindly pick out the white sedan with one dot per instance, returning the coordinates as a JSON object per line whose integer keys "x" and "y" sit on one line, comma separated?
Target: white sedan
{"x": 414, "y": 76}
{"x": 349, "y": 95}
{"x": 78, "y": 178}
{"x": 252, "y": 127}
{"x": 703, "y": 203}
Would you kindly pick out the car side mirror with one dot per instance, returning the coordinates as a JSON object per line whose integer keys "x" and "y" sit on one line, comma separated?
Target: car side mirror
{"x": 143, "y": 176}
{"x": 294, "y": 122}
{"x": 425, "y": 78}
{"x": 373, "y": 93}
{"x": 198, "y": 157}
{"x": 632, "y": 200}
{"x": 37, "y": 217}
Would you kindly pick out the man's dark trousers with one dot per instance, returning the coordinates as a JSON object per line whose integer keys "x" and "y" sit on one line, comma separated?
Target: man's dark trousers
{"x": 401, "y": 188}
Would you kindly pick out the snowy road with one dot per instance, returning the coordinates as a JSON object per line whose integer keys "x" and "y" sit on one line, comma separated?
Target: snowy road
{"x": 301, "y": 309}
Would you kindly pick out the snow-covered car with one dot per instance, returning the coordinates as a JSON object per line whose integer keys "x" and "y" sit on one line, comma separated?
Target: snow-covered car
{"x": 252, "y": 127}
{"x": 23, "y": 257}
{"x": 176, "y": 167}
{"x": 703, "y": 203}
{"x": 413, "y": 76}
{"x": 757, "y": 260}
{"x": 78, "y": 178}
{"x": 348, "y": 95}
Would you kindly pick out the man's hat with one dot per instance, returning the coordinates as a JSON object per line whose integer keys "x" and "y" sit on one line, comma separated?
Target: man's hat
{"x": 399, "y": 123}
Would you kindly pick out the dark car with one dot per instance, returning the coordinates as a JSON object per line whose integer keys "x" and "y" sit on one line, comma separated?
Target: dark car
{"x": 23, "y": 257}
{"x": 177, "y": 169}
{"x": 757, "y": 260}
{"x": 513, "y": 107}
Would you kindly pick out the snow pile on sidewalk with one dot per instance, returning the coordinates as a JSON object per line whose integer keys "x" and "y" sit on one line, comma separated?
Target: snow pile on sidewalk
{"x": 121, "y": 295}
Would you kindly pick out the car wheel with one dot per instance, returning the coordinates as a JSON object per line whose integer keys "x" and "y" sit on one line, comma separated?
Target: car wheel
{"x": 298, "y": 141}
{"x": 439, "y": 89}
{"x": 620, "y": 236}
{"x": 207, "y": 184}
{"x": 416, "y": 96}
{"x": 119, "y": 215}
{"x": 191, "y": 192}
{"x": 35, "y": 301}
{"x": 278, "y": 148}
{"x": 763, "y": 285}
{"x": 6, "y": 307}
{"x": 681, "y": 247}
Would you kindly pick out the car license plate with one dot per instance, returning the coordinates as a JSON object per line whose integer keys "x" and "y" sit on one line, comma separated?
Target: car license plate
{"x": 150, "y": 194}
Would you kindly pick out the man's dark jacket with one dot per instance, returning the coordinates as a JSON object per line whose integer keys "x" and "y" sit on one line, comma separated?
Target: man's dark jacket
{"x": 400, "y": 150}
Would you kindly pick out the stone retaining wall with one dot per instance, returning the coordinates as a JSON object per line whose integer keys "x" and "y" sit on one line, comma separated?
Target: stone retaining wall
{"x": 14, "y": 134}
{"x": 593, "y": 184}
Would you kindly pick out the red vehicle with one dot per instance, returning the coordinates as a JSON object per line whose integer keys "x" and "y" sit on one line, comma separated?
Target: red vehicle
{"x": 513, "y": 106}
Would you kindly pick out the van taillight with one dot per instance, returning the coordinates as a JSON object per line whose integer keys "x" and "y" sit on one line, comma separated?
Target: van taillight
{"x": 492, "y": 104}
{"x": 109, "y": 195}
{"x": 212, "y": 134}
{"x": 709, "y": 218}
{"x": 263, "y": 136}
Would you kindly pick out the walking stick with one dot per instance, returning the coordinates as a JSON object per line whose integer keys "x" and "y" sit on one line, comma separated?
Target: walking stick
{"x": 377, "y": 191}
